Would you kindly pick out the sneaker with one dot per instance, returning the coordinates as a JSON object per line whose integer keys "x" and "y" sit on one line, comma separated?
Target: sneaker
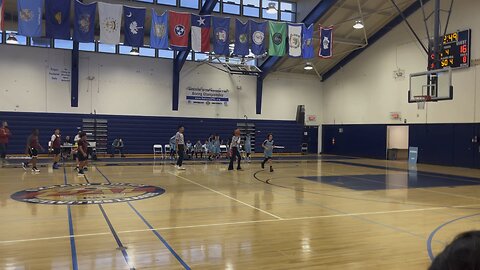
{"x": 176, "y": 167}
{"x": 230, "y": 169}
{"x": 24, "y": 166}
{"x": 263, "y": 165}
{"x": 55, "y": 166}
{"x": 35, "y": 169}
{"x": 76, "y": 169}
{"x": 181, "y": 168}
{"x": 85, "y": 168}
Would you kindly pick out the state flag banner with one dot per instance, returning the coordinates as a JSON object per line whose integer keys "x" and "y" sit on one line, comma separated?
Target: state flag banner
{"x": 158, "y": 31}
{"x": 30, "y": 18}
{"x": 134, "y": 27}
{"x": 201, "y": 33}
{"x": 278, "y": 35}
{"x": 221, "y": 35}
{"x": 110, "y": 22}
{"x": 2, "y": 14}
{"x": 307, "y": 42}
{"x": 179, "y": 30}
{"x": 257, "y": 35}
{"x": 326, "y": 42}
{"x": 241, "y": 38}
{"x": 57, "y": 19}
{"x": 84, "y": 22}
{"x": 295, "y": 40}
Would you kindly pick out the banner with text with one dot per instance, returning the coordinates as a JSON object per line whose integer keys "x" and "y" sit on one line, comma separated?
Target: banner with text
{"x": 200, "y": 95}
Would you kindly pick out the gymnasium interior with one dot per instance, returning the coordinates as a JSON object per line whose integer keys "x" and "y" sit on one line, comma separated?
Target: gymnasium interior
{"x": 373, "y": 109}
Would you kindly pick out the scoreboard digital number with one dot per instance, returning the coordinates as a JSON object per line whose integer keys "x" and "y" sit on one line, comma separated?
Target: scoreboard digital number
{"x": 455, "y": 52}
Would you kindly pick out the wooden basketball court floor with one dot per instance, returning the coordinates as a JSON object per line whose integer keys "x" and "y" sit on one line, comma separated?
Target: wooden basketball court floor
{"x": 322, "y": 214}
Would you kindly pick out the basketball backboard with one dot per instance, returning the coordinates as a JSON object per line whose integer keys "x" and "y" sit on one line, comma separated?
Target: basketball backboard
{"x": 433, "y": 85}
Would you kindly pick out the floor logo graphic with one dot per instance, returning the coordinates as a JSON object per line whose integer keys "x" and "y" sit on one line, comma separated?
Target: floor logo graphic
{"x": 81, "y": 194}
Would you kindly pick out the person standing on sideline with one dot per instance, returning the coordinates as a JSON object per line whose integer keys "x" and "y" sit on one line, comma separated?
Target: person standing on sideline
{"x": 33, "y": 146}
{"x": 180, "y": 146}
{"x": 248, "y": 146}
{"x": 268, "y": 146}
{"x": 234, "y": 147}
{"x": 56, "y": 146}
{"x": 4, "y": 137}
{"x": 82, "y": 153}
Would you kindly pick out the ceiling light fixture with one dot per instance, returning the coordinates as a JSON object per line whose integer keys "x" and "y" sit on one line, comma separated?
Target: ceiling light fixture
{"x": 134, "y": 51}
{"x": 12, "y": 39}
{"x": 308, "y": 66}
{"x": 358, "y": 24}
{"x": 271, "y": 8}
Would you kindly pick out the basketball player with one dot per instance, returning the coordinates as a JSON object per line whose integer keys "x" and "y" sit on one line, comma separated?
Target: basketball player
{"x": 4, "y": 137}
{"x": 248, "y": 146}
{"x": 56, "y": 143}
{"x": 33, "y": 146}
{"x": 180, "y": 146}
{"x": 268, "y": 146}
{"x": 234, "y": 147}
{"x": 82, "y": 153}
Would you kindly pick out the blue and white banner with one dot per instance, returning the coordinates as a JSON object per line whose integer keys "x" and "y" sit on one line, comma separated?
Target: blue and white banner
{"x": 57, "y": 19}
{"x": 257, "y": 33}
{"x": 307, "y": 42}
{"x": 241, "y": 38}
{"x": 84, "y": 22}
{"x": 30, "y": 17}
{"x": 295, "y": 39}
{"x": 221, "y": 35}
{"x": 110, "y": 16}
{"x": 134, "y": 27}
{"x": 326, "y": 42}
{"x": 159, "y": 31}
{"x": 200, "y": 95}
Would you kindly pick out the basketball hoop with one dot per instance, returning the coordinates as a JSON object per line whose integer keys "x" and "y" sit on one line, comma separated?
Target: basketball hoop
{"x": 420, "y": 100}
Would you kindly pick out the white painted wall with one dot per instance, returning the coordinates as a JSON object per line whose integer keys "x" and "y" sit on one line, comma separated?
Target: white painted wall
{"x": 365, "y": 91}
{"x": 126, "y": 85}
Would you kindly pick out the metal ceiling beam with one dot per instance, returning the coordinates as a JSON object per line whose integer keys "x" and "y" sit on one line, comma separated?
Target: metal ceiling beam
{"x": 374, "y": 38}
{"x": 181, "y": 57}
{"x": 317, "y": 12}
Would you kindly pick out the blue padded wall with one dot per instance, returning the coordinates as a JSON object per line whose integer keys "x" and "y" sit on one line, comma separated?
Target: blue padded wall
{"x": 141, "y": 132}
{"x": 441, "y": 144}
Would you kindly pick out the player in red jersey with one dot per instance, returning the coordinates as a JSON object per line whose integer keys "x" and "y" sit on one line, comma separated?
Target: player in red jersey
{"x": 82, "y": 153}
{"x": 32, "y": 148}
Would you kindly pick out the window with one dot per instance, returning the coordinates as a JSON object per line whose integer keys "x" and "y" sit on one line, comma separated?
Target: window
{"x": 165, "y": 54}
{"x": 251, "y": 8}
{"x": 288, "y": 11}
{"x": 124, "y": 49}
{"x": 231, "y": 7}
{"x": 63, "y": 44}
{"x": 200, "y": 56}
{"x": 189, "y": 4}
{"x": 145, "y": 1}
{"x": 106, "y": 48}
{"x": 216, "y": 8}
{"x": 167, "y": 2}
{"x": 88, "y": 47}
{"x": 266, "y": 15}
{"x": 147, "y": 52}
{"x": 40, "y": 42}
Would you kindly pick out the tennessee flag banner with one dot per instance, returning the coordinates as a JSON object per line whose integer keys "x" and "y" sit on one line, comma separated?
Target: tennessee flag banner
{"x": 326, "y": 42}
{"x": 2, "y": 12}
{"x": 179, "y": 30}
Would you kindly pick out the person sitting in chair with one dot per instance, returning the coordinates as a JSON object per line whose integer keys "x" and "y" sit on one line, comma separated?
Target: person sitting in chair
{"x": 117, "y": 145}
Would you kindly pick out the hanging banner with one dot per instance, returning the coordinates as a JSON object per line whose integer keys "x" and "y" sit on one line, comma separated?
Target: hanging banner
{"x": 200, "y": 95}
{"x": 295, "y": 39}
{"x": 326, "y": 42}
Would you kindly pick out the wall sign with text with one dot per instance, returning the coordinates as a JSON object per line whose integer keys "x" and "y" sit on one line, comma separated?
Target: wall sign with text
{"x": 200, "y": 95}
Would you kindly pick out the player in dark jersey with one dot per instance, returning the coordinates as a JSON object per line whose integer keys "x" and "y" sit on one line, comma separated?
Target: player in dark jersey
{"x": 32, "y": 148}
{"x": 56, "y": 146}
{"x": 4, "y": 137}
{"x": 82, "y": 153}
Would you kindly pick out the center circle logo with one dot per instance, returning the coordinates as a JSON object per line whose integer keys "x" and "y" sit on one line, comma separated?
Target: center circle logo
{"x": 221, "y": 35}
{"x": 242, "y": 38}
{"x": 179, "y": 30}
{"x": 258, "y": 37}
{"x": 277, "y": 38}
{"x": 93, "y": 193}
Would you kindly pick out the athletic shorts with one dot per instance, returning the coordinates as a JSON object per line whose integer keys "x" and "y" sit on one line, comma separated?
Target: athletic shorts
{"x": 56, "y": 151}
{"x": 82, "y": 157}
{"x": 32, "y": 152}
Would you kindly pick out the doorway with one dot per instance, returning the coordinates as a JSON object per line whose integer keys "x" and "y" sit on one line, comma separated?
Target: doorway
{"x": 397, "y": 142}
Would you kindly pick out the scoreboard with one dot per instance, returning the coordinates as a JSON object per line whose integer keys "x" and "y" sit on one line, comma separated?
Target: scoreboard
{"x": 455, "y": 51}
